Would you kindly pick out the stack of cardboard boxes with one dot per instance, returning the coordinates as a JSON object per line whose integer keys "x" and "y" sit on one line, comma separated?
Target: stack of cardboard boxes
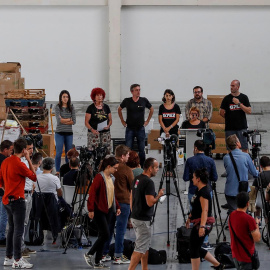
{"x": 10, "y": 79}
{"x": 217, "y": 124}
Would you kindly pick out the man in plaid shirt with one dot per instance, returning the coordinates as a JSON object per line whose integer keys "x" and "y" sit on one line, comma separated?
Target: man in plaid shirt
{"x": 204, "y": 105}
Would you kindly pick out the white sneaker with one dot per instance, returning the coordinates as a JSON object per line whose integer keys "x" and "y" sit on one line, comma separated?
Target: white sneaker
{"x": 8, "y": 261}
{"x": 106, "y": 258}
{"x": 121, "y": 260}
{"x": 22, "y": 263}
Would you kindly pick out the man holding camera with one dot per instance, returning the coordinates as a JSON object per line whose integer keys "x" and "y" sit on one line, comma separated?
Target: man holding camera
{"x": 204, "y": 105}
{"x": 12, "y": 179}
{"x": 198, "y": 161}
{"x": 234, "y": 108}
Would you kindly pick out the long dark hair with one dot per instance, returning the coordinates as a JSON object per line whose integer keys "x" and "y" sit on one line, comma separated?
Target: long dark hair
{"x": 109, "y": 161}
{"x": 60, "y": 104}
{"x": 168, "y": 91}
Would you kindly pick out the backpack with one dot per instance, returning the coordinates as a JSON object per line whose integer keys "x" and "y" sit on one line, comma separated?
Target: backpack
{"x": 157, "y": 256}
{"x": 182, "y": 237}
{"x": 223, "y": 254}
{"x": 128, "y": 248}
{"x": 33, "y": 233}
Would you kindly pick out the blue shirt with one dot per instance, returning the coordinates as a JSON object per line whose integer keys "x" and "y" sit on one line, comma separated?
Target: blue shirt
{"x": 244, "y": 165}
{"x": 199, "y": 161}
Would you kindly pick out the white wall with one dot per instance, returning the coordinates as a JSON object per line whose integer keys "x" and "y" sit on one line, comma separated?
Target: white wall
{"x": 180, "y": 47}
{"x": 177, "y": 47}
{"x": 58, "y": 47}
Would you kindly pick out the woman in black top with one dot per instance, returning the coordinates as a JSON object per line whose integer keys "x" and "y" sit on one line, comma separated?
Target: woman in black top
{"x": 169, "y": 114}
{"x": 98, "y": 119}
{"x": 202, "y": 221}
{"x": 194, "y": 122}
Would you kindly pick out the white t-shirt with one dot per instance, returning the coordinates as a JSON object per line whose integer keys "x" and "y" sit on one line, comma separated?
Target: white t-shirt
{"x": 48, "y": 183}
{"x": 28, "y": 182}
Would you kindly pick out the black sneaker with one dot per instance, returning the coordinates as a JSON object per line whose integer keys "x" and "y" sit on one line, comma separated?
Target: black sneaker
{"x": 219, "y": 267}
{"x": 225, "y": 206}
{"x": 3, "y": 242}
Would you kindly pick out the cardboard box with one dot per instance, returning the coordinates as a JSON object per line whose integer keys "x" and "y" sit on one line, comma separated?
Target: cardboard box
{"x": 9, "y": 81}
{"x": 152, "y": 136}
{"x": 12, "y": 67}
{"x": 2, "y": 112}
{"x": 219, "y": 129}
{"x": 48, "y": 145}
{"x": 217, "y": 118}
{"x": 216, "y": 102}
{"x": 21, "y": 83}
{"x": 2, "y": 101}
{"x": 220, "y": 146}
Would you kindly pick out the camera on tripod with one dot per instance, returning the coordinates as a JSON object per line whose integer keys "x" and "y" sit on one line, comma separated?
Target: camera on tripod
{"x": 208, "y": 136}
{"x": 86, "y": 154}
{"x": 254, "y": 137}
{"x": 169, "y": 147}
{"x": 35, "y": 139}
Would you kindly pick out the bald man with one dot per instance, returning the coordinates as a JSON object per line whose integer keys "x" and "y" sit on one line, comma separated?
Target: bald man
{"x": 234, "y": 108}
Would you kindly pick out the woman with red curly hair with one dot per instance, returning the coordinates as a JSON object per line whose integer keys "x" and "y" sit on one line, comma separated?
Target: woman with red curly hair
{"x": 98, "y": 119}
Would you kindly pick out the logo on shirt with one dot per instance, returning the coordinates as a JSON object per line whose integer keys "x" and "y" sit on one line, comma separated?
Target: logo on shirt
{"x": 234, "y": 107}
{"x": 168, "y": 115}
{"x": 101, "y": 115}
{"x": 136, "y": 183}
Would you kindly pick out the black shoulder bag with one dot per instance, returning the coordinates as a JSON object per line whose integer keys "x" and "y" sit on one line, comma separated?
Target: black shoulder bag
{"x": 243, "y": 185}
{"x": 254, "y": 258}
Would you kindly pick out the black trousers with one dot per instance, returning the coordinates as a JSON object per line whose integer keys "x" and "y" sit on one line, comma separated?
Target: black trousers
{"x": 16, "y": 216}
{"x": 102, "y": 220}
{"x": 196, "y": 251}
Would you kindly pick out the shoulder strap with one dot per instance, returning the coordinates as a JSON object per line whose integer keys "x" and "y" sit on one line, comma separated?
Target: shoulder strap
{"x": 242, "y": 245}
{"x": 234, "y": 165}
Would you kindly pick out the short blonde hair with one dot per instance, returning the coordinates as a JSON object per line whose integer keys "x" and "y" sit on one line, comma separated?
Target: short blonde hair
{"x": 231, "y": 141}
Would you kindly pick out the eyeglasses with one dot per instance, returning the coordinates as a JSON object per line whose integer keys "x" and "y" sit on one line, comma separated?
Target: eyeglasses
{"x": 115, "y": 167}
{"x": 197, "y": 92}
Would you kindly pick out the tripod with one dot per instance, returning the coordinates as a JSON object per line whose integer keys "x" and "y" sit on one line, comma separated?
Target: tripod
{"x": 166, "y": 175}
{"x": 217, "y": 210}
{"x": 83, "y": 192}
{"x": 265, "y": 209}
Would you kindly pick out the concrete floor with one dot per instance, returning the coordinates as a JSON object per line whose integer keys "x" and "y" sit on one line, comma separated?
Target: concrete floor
{"x": 50, "y": 256}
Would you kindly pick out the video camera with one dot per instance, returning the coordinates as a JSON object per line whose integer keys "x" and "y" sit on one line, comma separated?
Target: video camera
{"x": 170, "y": 145}
{"x": 35, "y": 139}
{"x": 208, "y": 137}
{"x": 86, "y": 154}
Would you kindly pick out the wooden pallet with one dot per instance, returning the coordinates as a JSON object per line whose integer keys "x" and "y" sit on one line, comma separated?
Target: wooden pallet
{"x": 26, "y": 94}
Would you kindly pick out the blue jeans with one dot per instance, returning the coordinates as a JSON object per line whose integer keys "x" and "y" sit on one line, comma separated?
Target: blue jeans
{"x": 60, "y": 141}
{"x": 3, "y": 220}
{"x": 121, "y": 227}
{"x": 140, "y": 136}
{"x": 16, "y": 216}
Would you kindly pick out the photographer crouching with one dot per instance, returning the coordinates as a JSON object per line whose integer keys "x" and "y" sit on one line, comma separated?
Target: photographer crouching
{"x": 201, "y": 217}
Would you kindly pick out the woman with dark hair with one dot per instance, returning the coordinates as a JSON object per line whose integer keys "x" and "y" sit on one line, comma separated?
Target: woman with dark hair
{"x": 98, "y": 119}
{"x": 201, "y": 217}
{"x": 169, "y": 114}
{"x": 65, "y": 118}
{"x": 102, "y": 205}
{"x": 193, "y": 122}
{"x": 134, "y": 163}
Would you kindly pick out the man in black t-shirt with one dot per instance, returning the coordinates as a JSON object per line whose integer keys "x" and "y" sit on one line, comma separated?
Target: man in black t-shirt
{"x": 234, "y": 108}
{"x": 142, "y": 201}
{"x": 135, "y": 124}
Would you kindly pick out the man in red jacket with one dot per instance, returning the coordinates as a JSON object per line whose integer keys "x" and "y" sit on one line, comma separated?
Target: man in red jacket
{"x": 12, "y": 180}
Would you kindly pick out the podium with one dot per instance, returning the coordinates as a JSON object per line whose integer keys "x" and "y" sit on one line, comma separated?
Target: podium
{"x": 191, "y": 137}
